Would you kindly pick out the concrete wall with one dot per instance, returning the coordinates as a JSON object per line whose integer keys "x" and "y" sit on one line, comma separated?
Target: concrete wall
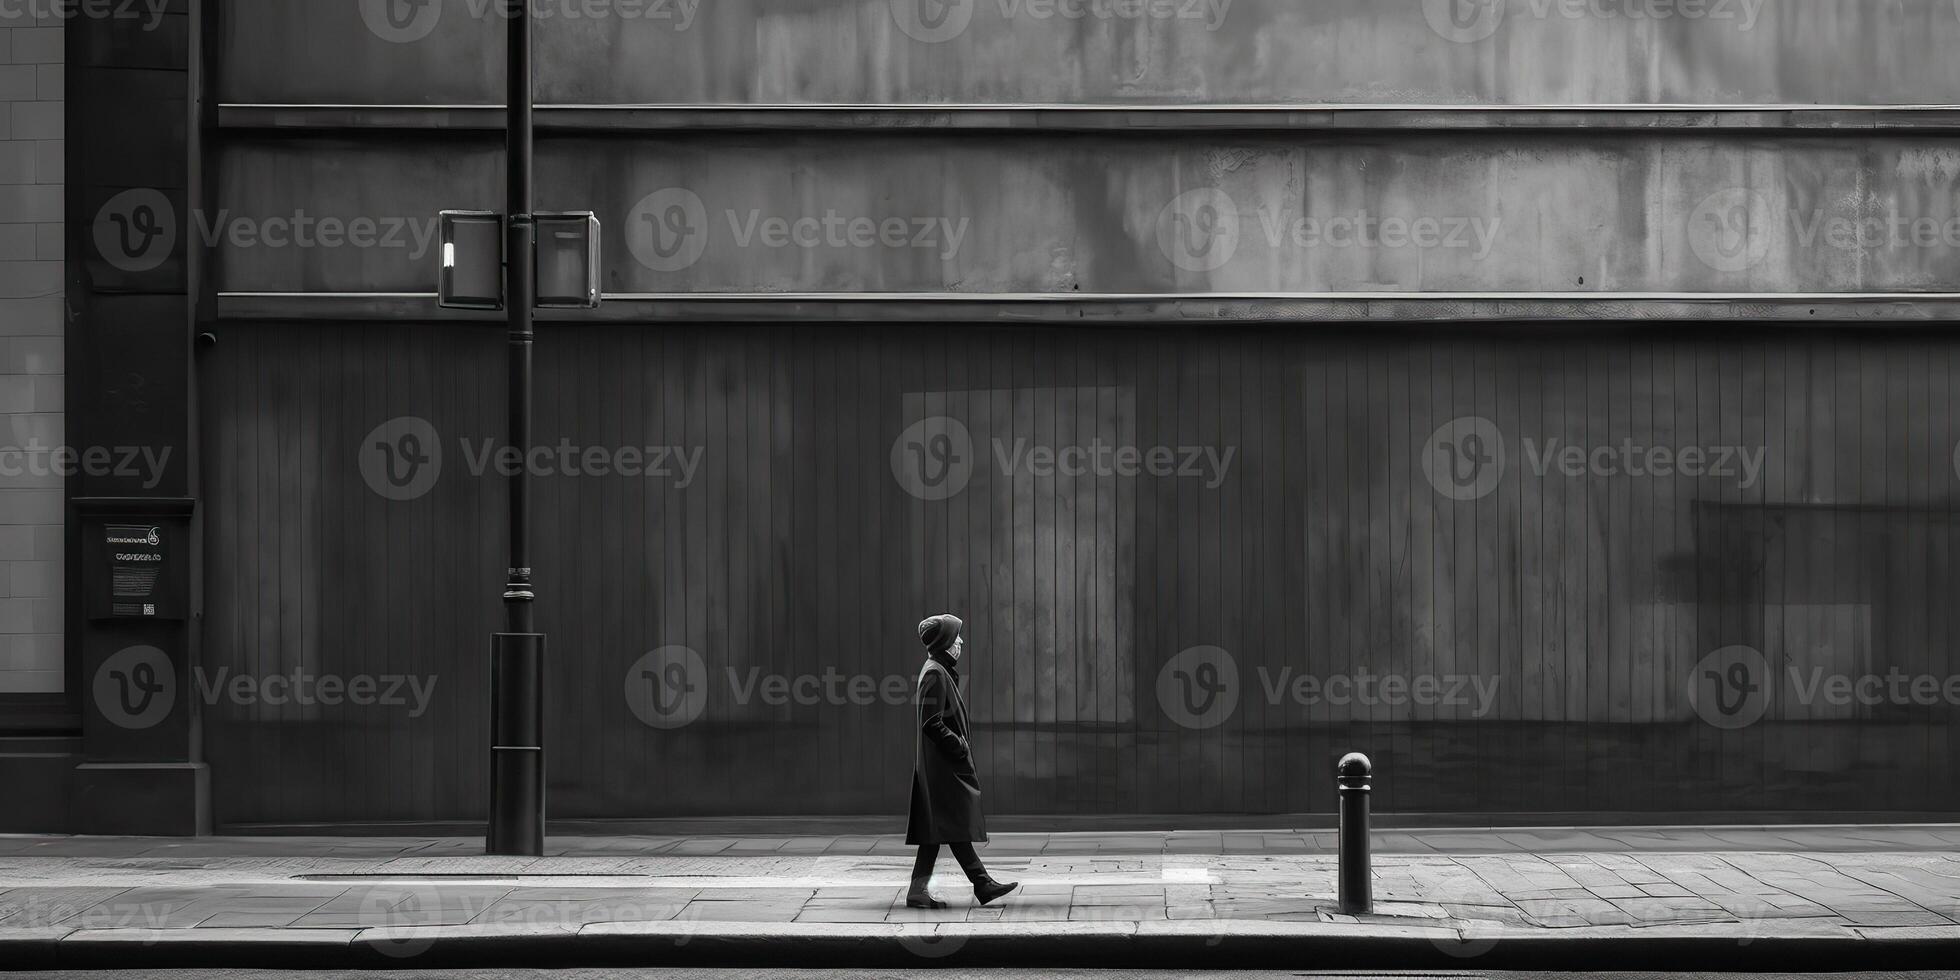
{"x": 32, "y": 324}
{"x": 1401, "y": 52}
{"x": 1513, "y": 212}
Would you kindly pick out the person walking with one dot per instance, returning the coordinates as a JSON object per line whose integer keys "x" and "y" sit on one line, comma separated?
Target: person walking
{"x": 945, "y": 786}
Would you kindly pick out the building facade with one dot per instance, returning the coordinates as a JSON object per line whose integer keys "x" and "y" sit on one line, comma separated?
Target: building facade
{"x": 1553, "y": 400}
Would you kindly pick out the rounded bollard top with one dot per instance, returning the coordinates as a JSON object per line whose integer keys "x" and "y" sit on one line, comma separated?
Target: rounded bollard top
{"x": 1354, "y": 766}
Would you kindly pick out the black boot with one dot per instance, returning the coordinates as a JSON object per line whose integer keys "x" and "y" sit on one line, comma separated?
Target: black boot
{"x": 986, "y": 889}
{"x": 918, "y": 898}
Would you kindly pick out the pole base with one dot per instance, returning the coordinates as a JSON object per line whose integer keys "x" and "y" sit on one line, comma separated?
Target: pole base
{"x": 517, "y": 773}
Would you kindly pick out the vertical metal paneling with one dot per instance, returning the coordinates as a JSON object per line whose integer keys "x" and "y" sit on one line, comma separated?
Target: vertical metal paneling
{"x": 795, "y": 552}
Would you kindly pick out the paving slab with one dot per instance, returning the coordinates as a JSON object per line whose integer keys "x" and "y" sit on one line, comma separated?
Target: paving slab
{"x": 133, "y": 939}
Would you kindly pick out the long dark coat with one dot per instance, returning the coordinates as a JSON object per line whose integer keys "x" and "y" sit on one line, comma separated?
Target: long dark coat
{"x": 945, "y": 789}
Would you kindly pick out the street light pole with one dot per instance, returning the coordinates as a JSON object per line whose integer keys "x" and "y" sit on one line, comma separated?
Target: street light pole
{"x": 522, "y": 272}
{"x": 517, "y": 778}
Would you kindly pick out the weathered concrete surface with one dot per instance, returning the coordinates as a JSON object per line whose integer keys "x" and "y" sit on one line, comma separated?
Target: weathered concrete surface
{"x": 1187, "y": 896}
{"x": 1099, "y": 214}
{"x": 1517, "y": 52}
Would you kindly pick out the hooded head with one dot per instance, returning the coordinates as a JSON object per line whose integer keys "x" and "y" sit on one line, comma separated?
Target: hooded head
{"x": 940, "y": 632}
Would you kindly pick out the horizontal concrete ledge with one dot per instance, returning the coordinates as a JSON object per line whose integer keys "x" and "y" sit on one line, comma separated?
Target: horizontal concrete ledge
{"x": 1141, "y": 309}
{"x": 574, "y": 119}
{"x": 1184, "y": 944}
{"x": 135, "y": 506}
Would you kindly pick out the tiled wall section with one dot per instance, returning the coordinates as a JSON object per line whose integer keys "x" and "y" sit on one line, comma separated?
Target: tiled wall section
{"x": 31, "y": 349}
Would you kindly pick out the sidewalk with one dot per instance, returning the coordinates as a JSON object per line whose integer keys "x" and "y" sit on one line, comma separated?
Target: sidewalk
{"x": 1658, "y": 898}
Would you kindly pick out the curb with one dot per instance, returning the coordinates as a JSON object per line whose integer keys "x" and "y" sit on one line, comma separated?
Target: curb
{"x": 1161, "y": 945}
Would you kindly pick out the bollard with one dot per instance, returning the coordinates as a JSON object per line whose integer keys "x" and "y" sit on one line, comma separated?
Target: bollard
{"x": 1357, "y": 892}
{"x": 517, "y": 777}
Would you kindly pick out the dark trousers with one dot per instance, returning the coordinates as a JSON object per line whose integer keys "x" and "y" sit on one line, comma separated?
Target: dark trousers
{"x": 929, "y": 855}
